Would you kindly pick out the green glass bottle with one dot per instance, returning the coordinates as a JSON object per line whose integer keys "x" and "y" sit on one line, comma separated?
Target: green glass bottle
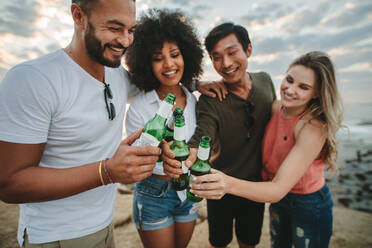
{"x": 154, "y": 130}
{"x": 170, "y": 125}
{"x": 181, "y": 151}
{"x": 200, "y": 166}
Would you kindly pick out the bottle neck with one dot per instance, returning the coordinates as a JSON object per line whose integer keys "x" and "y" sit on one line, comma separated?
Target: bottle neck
{"x": 164, "y": 109}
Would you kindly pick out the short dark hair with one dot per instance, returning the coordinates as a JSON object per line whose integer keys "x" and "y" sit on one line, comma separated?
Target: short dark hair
{"x": 223, "y": 30}
{"x": 86, "y": 5}
{"x": 152, "y": 30}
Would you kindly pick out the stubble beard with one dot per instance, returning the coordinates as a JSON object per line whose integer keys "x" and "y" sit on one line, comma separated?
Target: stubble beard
{"x": 96, "y": 51}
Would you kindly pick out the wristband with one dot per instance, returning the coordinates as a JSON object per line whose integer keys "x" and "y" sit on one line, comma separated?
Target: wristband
{"x": 107, "y": 173}
{"x": 100, "y": 173}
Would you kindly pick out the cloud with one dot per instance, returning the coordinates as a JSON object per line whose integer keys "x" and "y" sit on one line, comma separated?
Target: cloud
{"x": 16, "y": 28}
{"x": 281, "y": 12}
{"x": 254, "y": 19}
{"x": 266, "y": 7}
{"x": 197, "y": 12}
{"x": 360, "y": 80}
{"x": 355, "y": 55}
{"x": 2, "y": 73}
{"x": 301, "y": 20}
{"x": 351, "y": 14}
{"x": 357, "y": 67}
{"x": 181, "y": 2}
{"x": 19, "y": 17}
{"x": 269, "y": 45}
{"x": 348, "y": 38}
{"x": 263, "y": 13}
{"x": 53, "y": 47}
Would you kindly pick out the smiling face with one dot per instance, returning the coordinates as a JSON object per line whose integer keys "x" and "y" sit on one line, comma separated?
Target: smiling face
{"x": 229, "y": 58}
{"x": 110, "y": 29}
{"x": 168, "y": 64}
{"x": 298, "y": 87}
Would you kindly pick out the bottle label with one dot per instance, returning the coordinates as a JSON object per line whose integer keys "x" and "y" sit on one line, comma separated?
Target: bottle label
{"x": 185, "y": 169}
{"x": 203, "y": 153}
{"x": 165, "y": 109}
{"x": 146, "y": 139}
{"x": 179, "y": 133}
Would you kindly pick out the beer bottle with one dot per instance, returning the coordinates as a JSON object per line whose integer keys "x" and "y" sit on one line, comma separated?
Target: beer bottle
{"x": 181, "y": 151}
{"x": 170, "y": 125}
{"x": 154, "y": 130}
{"x": 200, "y": 166}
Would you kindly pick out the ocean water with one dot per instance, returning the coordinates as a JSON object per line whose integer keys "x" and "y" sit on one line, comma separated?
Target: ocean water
{"x": 352, "y": 185}
{"x": 358, "y": 122}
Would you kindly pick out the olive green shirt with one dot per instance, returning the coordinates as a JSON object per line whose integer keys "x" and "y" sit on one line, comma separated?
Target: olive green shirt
{"x": 225, "y": 122}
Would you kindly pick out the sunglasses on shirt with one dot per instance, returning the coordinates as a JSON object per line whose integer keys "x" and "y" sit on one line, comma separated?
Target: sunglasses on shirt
{"x": 109, "y": 105}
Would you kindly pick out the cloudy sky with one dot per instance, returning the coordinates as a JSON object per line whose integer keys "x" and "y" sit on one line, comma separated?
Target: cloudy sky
{"x": 279, "y": 32}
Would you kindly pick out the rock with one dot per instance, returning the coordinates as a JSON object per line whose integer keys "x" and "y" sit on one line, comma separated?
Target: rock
{"x": 360, "y": 176}
{"x": 339, "y": 190}
{"x": 344, "y": 176}
{"x": 367, "y": 187}
{"x": 344, "y": 201}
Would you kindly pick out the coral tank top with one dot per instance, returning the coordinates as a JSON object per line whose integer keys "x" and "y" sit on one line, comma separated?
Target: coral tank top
{"x": 278, "y": 141}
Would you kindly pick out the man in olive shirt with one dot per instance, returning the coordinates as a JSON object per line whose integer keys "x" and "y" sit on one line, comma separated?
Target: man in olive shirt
{"x": 236, "y": 126}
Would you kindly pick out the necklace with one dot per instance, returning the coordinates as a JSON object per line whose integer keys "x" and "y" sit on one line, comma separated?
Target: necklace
{"x": 163, "y": 92}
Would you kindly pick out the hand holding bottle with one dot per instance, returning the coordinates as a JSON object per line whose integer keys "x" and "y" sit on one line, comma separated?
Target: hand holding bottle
{"x": 171, "y": 166}
{"x": 132, "y": 163}
{"x": 181, "y": 151}
{"x": 201, "y": 166}
{"x": 155, "y": 129}
{"x": 211, "y": 186}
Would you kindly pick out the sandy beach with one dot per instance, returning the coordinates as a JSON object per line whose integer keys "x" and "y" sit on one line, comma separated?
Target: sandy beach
{"x": 352, "y": 229}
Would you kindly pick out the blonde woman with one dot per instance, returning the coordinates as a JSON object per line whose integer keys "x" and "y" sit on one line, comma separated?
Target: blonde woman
{"x": 299, "y": 143}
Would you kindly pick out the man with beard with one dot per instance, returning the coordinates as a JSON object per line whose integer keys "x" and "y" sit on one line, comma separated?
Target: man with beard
{"x": 61, "y": 119}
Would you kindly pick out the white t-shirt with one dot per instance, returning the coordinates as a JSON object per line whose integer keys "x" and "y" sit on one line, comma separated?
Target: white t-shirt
{"x": 53, "y": 100}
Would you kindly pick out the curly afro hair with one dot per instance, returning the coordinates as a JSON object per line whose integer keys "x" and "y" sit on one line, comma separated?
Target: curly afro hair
{"x": 153, "y": 28}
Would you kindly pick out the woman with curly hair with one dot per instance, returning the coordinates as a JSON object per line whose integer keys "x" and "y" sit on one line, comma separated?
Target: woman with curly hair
{"x": 165, "y": 57}
{"x": 299, "y": 143}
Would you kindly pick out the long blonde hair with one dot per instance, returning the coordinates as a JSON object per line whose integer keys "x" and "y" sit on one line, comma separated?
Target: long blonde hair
{"x": 328, "y": 106}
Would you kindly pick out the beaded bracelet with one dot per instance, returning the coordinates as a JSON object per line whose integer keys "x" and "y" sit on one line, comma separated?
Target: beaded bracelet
{"x": 106, "y": 171}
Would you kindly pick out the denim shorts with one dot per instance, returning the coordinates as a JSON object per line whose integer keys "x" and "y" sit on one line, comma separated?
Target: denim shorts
{"x": 302, "y": 220}
{"x": 156, "y": 205}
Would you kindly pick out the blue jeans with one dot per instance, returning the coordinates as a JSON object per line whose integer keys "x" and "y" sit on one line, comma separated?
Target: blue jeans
{"x": 302, "y": 220}
{"x": 156, "y": 205}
